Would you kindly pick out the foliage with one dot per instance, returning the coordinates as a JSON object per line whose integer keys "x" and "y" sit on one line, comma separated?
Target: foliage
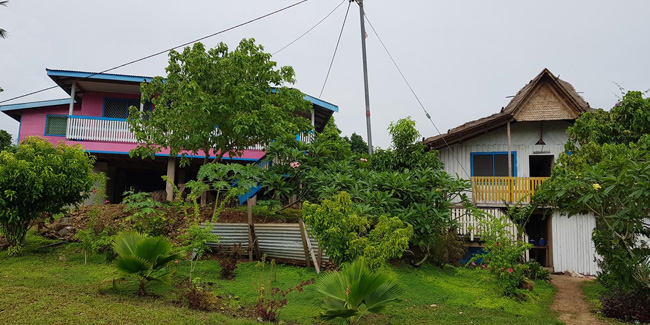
{"x": 241, "y": 92}
{"x": 346, "y": 235}
{"x": 605, "y": 172}
{"x": 146, "y": 213}
{"x": 5, "y": 140}
{"x": 3, "y": 33}
{"x": 270, "y": 300}
{"x": 228, "y": 261}
{"x": 144, "y": 257}
{"x": 40, "y": 178}
{"x": 445, "y": 249}
{"x": 632, "y": 306}
{"x": 357, "y": 144}
{"x": 356, "y": 291}
{"x": 502, "y": 254}
{"x": 534, "y": 271}
{"x": 228, "y": 180}
{"x": 98, "y": 235}
{"x": 195, "y": 241}
{"x": 197, "y": 297}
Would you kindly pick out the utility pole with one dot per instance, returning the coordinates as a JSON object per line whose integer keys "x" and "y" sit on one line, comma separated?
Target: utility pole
{"x": 365, "y": 73}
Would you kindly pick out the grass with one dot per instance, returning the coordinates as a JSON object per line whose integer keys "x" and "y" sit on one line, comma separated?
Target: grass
{"x": 52, "y": 285}
{"x": 593, "y": 290}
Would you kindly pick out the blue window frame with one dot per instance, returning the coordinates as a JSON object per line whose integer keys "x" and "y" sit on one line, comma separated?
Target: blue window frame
{"x": 55, "y": 125}
{"x": 492, "y": 163}
{"x": 119, "y": 107}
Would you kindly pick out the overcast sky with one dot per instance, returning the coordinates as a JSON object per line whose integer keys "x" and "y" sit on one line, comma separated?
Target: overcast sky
{"x": 463, "y": 58}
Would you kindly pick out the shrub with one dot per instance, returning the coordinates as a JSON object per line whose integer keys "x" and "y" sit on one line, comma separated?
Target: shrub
{"x": 345, "y": 235}
{"x": 97, "y": 237}
{"x": 197, "y": 296}
{"x": 633, "y": 306}
{"x": 502, "y": 255}
{"x": 40, "y": 178}
{"x": 356, "y": 291}
{"x": 534, "y": 271}
{"x": 143, "y": 257}
{"x": 270, "y": 301}
{"x": 147, "y": 217}
{"x": 228, "y": 261}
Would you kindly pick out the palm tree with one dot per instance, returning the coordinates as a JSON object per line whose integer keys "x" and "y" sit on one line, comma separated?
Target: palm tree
{"x": 3, "y": 33}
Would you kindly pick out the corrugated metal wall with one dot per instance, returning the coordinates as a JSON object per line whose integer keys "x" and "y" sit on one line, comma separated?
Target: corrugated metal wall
{"x": 280, "y": 240}
{"x": 573, "y": 248}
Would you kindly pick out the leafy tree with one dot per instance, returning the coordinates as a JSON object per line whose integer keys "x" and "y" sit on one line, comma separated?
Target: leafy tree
{"x": 356, "y": 291}
{"x": 357, "y": 144}
{"x": 240, "y": 92}
{"x": 5, "y": 140}
{"x": 605, "y": 172}
{"x": 40, "y": 178}
{"x": 144, "y": 257}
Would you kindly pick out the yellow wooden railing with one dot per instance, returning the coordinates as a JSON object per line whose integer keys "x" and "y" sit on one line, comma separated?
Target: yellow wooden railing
{"x": 508, "y": 189}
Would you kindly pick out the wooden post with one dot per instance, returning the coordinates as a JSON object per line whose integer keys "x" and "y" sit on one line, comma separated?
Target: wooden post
{"x": 320, "y": 256}
{"x": 305, "y": 240}
{"x": 171, "y": 175}
{"x": 509, "y": 164}
{"x": 250, "y": 230}
{"x": 310, "y": 249}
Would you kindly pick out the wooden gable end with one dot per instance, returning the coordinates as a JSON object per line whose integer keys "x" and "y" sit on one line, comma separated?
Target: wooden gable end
{"x": 544, "y": 103}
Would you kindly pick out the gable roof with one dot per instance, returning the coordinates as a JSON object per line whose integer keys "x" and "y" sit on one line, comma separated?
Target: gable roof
{"x": 546, "y": 97}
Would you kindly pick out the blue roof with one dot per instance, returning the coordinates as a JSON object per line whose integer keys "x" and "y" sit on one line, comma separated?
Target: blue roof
{"x": 322, "y": 103}
{"x": 97, "y": 76}
{"x": 53, "y": 102}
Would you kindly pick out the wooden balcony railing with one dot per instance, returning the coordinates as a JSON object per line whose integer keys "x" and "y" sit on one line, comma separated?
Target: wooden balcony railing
{"x": 508, "y": 189}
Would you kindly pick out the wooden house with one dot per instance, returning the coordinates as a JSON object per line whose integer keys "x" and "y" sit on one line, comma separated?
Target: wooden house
{"x": 507, "y": 154}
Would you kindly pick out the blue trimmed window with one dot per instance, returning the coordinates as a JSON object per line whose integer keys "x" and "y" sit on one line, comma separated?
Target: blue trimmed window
{"x": 492, "y": 163}
{"x": 56, "y": 125}
{"x": 119, "y": 107}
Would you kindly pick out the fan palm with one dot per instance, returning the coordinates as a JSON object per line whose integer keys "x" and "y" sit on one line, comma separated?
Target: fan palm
{"x": 356, "y": 291}
{"x": 143, "y": 257}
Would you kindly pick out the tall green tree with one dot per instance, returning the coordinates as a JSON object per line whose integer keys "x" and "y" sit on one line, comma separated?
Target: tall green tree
{"x": 357, "y": 144}
{"x": 5, "y": 140}
{"x": 218, "y": 101}
{"x": 605, "y": 172}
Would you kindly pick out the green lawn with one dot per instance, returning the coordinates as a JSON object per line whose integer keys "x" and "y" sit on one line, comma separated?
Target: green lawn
{"x": 52, "y": 285}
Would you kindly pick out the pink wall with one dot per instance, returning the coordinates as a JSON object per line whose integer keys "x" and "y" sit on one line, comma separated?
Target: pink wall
{"x": 33, "y": 124}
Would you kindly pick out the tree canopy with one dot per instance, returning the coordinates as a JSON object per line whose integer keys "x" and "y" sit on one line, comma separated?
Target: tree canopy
{"x": 5, "y": 140}
{"x": 357, "y": 144}
{"x": 218, "y": 101}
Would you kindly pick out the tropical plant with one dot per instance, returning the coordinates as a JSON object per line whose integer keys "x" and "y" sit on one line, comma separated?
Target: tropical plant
{"x": 40, "y": 178}
{"x": 195, "y": 241}
{"x": 3, "y": 33}
{"x": 357, "y": 144}
{"x": 144, "y": 257}
{"x": 356, "y": 291}
{"x": 346, "y": 235}
{"x": 146, "y": 213}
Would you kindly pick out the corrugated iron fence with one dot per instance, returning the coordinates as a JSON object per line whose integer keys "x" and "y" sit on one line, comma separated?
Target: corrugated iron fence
{"x": 281, "y": 241}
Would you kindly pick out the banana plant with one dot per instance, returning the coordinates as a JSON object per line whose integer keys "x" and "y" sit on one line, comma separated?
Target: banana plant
{"x": 144, "y": 257}
{"x": 356, "y": 291}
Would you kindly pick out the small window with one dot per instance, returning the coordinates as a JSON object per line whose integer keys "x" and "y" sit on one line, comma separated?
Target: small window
{"x": 119, "y": 108}
{"x": 56, "y": 125}
{"x": 492, "y": 163}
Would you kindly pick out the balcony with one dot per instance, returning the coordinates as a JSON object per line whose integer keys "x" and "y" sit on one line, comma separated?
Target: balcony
{"x": 496, "y": 190}
{"x": 90, "y": 128}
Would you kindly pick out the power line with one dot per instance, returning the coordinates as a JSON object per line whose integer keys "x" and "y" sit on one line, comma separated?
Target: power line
{"x": 165, "y": 51}
{"x": 335, "y": 50}
{"x": 309, "y": 30}
{"x": 415, "y": 95}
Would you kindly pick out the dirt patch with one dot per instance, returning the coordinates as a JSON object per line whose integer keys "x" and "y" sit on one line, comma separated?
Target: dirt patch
{"x": 570, "y": 301}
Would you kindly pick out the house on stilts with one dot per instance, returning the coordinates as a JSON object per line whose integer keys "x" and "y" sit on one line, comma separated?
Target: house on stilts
{"x": 508, "y": 154}
{"x": 94, "y": 116}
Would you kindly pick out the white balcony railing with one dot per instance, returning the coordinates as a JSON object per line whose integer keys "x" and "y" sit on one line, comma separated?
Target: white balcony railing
{"x": 117, "y": 130}
{"x": 98, "y": 129}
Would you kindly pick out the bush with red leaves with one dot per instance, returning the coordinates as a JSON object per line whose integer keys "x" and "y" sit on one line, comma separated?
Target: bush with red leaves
{"x": 629, "y": 306}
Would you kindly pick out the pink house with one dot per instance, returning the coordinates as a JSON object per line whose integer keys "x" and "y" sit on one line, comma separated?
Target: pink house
{"x": 94, "y": 116}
